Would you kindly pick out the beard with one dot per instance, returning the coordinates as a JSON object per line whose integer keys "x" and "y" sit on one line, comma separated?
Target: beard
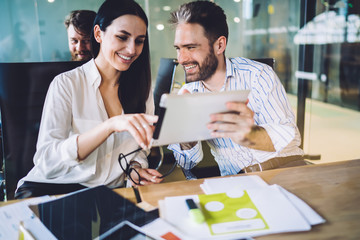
{"x": 206, "y": 69}
{"x": 76, "y": 57}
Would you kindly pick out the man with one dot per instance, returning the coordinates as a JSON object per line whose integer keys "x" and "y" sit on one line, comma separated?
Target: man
{"x": 258, "y": 135}
{"x": 79, "y": 25}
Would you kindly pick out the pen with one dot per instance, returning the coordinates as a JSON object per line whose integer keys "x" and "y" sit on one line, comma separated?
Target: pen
{"x": 195, "y": 213}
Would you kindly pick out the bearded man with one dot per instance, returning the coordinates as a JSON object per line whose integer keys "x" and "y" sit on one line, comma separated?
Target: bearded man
{"x": 260, "y": 134}
{"x": 79, "y": 26}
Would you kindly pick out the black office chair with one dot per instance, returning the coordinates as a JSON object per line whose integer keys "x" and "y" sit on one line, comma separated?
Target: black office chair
{"x": 164, "y": 84}
{"x": 268, "y": 61}
{"x": 23, "y": 87}
{"x": 164, "y": 80}
{"x": 208, "y": 167}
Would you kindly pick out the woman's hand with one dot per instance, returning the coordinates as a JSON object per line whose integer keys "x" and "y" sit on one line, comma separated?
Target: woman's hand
{"x": 148, "y": 176}
{"x": 140, "y": 126}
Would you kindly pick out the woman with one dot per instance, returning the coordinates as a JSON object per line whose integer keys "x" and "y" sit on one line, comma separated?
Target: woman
{"x": 97, "y": 111}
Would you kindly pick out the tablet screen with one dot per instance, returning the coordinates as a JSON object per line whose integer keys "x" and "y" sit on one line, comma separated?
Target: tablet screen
{"x": 126, "y": 230}
{"x": 183, "y": 118}
{"x": 88, "y": 213}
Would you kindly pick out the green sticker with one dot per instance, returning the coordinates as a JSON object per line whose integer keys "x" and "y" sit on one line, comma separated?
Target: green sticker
{"x": 231, "y": 213}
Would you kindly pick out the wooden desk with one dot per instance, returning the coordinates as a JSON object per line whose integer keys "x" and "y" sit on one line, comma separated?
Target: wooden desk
{"x": 127, "y": 193}
{"x": 332, "y": 190}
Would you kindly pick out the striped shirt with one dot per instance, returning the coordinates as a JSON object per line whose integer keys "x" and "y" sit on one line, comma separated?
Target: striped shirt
{"x": 272, "y": 111}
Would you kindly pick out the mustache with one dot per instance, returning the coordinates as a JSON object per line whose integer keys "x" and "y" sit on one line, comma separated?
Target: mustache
{"x": 83, "y": 52}
{"x": 190, "y": 63}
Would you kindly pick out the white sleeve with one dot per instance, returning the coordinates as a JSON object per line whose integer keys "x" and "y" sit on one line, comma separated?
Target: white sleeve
{"x": 56, "y": 149}
{"x": 150, "y": 109}
{"x": 272, "y": 109}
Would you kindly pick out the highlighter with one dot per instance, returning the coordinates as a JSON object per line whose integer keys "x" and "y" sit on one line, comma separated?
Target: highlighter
{"x": 195, "y": 213}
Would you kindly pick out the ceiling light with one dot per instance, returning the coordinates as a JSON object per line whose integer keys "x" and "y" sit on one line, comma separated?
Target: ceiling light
{"x": 160, "y": 27}
{"x": 166, "y": 8}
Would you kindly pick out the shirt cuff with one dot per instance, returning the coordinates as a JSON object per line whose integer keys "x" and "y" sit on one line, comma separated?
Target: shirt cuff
{"x": 70, "y": 148}
{"x": 187, "y": 159}
{"x": 141, "y": 158}
{"x": 280, "y": 136}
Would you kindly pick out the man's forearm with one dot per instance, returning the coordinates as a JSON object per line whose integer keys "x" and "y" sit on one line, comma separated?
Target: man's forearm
{"x": 259, "y": 139}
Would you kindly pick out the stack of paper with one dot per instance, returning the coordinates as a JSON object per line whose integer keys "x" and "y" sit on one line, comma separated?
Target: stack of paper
{"x": 11, "y": 215}
{"x": 221, "y": 185}
{"x": 239, "y": 207}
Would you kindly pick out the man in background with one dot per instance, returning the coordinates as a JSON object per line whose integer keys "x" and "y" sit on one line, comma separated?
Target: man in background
{"x": 79, "y": 25}
{"x": 257, "y": 135}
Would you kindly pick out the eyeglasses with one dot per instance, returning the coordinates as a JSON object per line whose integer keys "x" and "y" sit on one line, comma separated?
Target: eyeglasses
{"x": 128, "y": 169}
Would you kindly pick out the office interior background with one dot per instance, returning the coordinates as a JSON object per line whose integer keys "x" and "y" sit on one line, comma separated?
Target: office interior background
{"x": 33, "y": 31}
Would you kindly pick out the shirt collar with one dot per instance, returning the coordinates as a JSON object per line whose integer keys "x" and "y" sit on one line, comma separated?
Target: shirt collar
{"x": 229, "y": 68}
{"x": 229, "y": 73}
{"x": 92, "y": 74}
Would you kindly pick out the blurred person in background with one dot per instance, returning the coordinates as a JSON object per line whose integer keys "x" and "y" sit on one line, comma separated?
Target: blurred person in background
{"x": 79, "y": 25}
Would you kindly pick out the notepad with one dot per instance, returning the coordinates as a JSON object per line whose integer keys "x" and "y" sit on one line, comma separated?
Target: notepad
{"x": 252, "y": 212}
{"x": 238, "y": 207}
{"x": 183, "y": 118}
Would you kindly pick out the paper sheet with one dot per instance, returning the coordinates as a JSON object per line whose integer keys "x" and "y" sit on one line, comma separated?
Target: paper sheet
{"x": 277, "y": 212}
{"x": 221, "y": 185}
{"x": 11, "y": 215}
{"x": 308, "y": 213}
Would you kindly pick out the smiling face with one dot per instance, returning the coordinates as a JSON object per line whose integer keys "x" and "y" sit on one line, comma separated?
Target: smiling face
{"x": 122, "y": 42}
{"x": 79, "y": 45}
{"x": 194, "y": 52}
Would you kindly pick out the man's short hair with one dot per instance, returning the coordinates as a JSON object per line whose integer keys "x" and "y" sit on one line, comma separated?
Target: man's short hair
{"x": 209, "y": 15}
{"x": 82, "y": 20}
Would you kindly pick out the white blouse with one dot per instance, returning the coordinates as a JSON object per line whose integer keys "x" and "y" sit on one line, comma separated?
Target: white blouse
{"x": 74, "y": 105}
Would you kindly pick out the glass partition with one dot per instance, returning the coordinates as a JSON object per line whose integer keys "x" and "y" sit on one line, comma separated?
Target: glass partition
{"x": 34, "y": 31}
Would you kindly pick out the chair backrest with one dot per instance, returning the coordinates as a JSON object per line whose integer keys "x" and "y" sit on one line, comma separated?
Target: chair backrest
{"x": 23, "y": 87}
{"x": 164, "y": 84}
{"x": 268, "y": 61}
{"x": 164, "y": 80}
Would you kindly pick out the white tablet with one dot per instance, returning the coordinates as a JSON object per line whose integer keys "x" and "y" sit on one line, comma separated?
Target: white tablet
{"x": 183, "y": 118}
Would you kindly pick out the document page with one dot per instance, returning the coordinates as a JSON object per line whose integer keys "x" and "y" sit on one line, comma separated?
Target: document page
{"x": 11, "y": 215}
{"x": 242, "y": 213}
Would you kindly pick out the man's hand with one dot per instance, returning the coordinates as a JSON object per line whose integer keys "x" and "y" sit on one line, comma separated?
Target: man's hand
{"x": 238, "y": 124}
{"x": 234, "y": 124}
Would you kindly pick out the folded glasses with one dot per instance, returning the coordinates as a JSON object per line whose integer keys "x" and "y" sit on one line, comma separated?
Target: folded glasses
{"x": 128, "y": 168}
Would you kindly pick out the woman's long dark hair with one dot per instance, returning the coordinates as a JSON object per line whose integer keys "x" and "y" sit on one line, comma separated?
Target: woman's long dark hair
{"x": 135, "y": 83}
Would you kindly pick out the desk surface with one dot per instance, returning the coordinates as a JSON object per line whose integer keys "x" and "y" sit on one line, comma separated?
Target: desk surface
{"x": 332, "y": 190}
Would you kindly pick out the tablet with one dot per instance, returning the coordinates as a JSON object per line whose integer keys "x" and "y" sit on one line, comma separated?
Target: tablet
{"x": 90, "y": 213}
{"x": 127, "y": 230}
{"x": 183, "y": 118}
